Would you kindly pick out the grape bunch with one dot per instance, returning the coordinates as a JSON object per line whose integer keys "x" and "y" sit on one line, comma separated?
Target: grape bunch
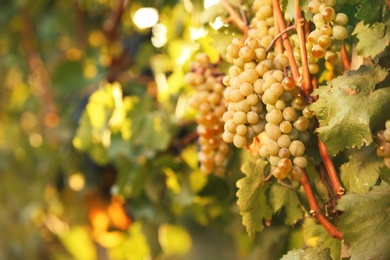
{"x": 329, "y": 30}
{"x": 383, "y": 141}
{"x": 245, "y": 115}
{"x": 206, "y": 79}
{"x": 287, "y": 129}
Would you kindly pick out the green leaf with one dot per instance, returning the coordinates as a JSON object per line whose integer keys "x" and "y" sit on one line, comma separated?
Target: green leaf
{"x": 314, "y": 230}
{"x": 361, "y": 172}
{"x": 372, "y": 39}
{"x": 318, "y": 253}
{"x": 365, "y": 223}
{"x": 252, "y": 199}
{"x": 288, "y": 6}
{"x": 370, "y": 11}
{"x": 344, "y": 108}
{"x": 286, "y": 198}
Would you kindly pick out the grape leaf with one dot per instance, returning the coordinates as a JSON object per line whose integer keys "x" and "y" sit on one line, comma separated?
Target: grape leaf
{"x": 288, "y": 6}
{"x": 361, "y": 172}
{"x": 286, "y": 198}
{"x": 318, "y": 253}
{"x": 345, "y": 106}
{"x": 252, "y": 199}
{"x": 365, "y": 223}
{"x": 313, "y": 229}
{"x": 370, "y": 11}
{"x": 372, "y": 39}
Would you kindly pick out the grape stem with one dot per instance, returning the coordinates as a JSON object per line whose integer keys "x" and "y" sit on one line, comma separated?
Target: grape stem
{"x": 278, "y": 42}
{"x": 345, "y": 57}
{"x": 299, "y": 23}
{"x": 234, "y": 17}
{"x": 292, "y": 27}
{"x": 315, "y": 209}
{"x": 334, "y": 178}
{"x": 286, "y": 40}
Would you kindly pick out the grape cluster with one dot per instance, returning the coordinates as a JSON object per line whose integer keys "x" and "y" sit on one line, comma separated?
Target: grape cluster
{"x": 330, "y": 29}
{"x": 206, "y": 79}
{"x": 383, "y": 141}
{"x": 287, "y": 129}
{"x": 245, "y": 115}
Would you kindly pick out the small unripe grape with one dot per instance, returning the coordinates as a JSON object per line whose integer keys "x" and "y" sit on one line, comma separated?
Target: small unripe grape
{"x": 252, "y": 99}
{"x": 300, "y": 161}
{"x": 235, "y": 95}
{"x": 289, "y": 114}
{"x": 298, "y": 103}
{"x": 242, "y": 106}
{"x": 230, "y": 126}
{"x": 227, "y": 115}
{"x": 284, "y": 141}
{"x": 301, "y": 124}
{"x": 285, "y": 165}
{"x": 328, "y": 14}
{"x": 326, "y": 29}
{"x": 246, "y": 54}
{"x": 288, "y": 83}
{"x": 314, "y": 6}
{"x": 272, "y": 147}
{"x": 387, "y": 124}
{"x": 314, "y": 36}
{"x": 250, "y": 75}
{"x": 272, "y": 131}
{"x": 330, "y": 56}
{"x": 274, "y": 117}
{"x": 313, "y": 68}
{"x": 258, "y": 108}
{"x": 239, "y": 118}
{"x": 383, "y": 150}
{"x": 263, "y": 152}
{"x": 284, "y": 153}
{"x": 280, "y": 104}
{"x": 296, "y": 173}
{"x": 279, "y": 174}
{"x": 297, "y": 148}
{"x": 341, "y": 19}
{"x": 252, "y": 117}
{"x": 233, "y": 50}
{"x": 324, "y": 41}
{"x": 258, "y": 127}
{"x": 285, "y": 127}
{"x": 304, "y": 136}
{"x": 239, "y": 141}
{"x": 246, "y": 89}
{"x": 306, "y": 112}
{"x": 274, "y": 159}
{"x": 252, "y": 43}
{"x": 340, "y": 32}
{"x": 260, "y": 53}
{"x": 228, "y": 137}
{"x": 329, "y": 2}
{"x": 318, "y": 51}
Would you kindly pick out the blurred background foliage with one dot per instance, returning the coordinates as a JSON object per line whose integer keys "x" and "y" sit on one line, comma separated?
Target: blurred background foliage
{"x": 97, "y": 146}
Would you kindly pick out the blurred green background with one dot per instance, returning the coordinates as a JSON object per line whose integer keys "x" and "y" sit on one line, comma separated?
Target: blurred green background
{"x": 97, "y": 146}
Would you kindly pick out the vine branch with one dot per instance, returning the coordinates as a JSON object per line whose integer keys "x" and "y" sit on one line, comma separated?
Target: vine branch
{"x": 299, "y": 23}
{"x": 286, "y": 41}
{"x": 277, "y": 37}
{"x": 234, "y": 17}
{"x": 315, "y": 209}
{"x": 345, "y": 57}
{"x": 334, "y": 179}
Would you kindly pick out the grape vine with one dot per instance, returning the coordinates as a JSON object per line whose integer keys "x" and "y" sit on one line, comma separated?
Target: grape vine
{"x": 278, "y": 104}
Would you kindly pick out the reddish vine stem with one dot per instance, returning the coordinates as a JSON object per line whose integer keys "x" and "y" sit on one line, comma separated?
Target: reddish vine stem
{"x": 277, "y": 37}
{"x": 334, "y": 179}
{"x": 345, "y": 58}
{"x": 315, "y": 209}
{"x": 234, "y": 17}
{"x": 286, "y": 41}
{"x": 299, "y": 23}
{"x": 277, "y": 41}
